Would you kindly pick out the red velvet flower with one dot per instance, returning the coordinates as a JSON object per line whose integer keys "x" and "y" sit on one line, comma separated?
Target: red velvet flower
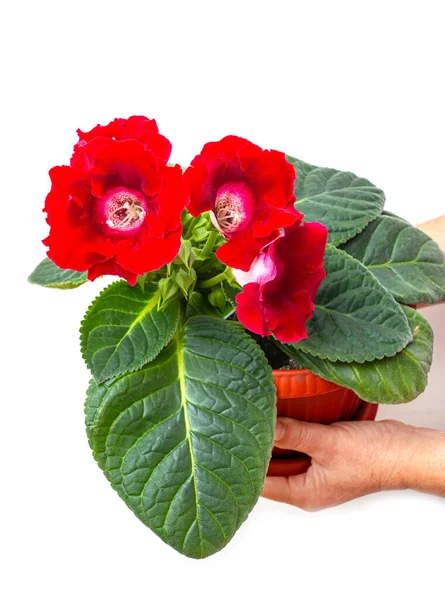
{"x": 250, "y": 193}
{"x": 280, "y": 288}
{"x": 134, "y": 128}
{"x": 117, "y": 209}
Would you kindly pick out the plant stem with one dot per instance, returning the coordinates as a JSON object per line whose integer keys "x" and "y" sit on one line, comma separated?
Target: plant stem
{"x": 208, "y": 283}
{"x": 208, "y": 247}
{"x": 190, "y": 226}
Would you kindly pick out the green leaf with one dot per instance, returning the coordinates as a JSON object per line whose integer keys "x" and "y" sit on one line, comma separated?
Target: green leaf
{"x": 198, "y": 304}
{"x": 217, "y": 298}
{"x": 389, "y": 381}
{"x": 168, "y": 289}
{"x": 47, "y": 274}
{"x": 340, "y": 200}
{"x": 186, "y": 280}
{"x": 231, "y": 290}
{"x": 186, "y": 255}
{"x": 186, "y": 440}
{"x": 355, "y": 318}
{"x": 123, "y": 329}
{"x": 200, "y": 233}
{"x": 404, "y": 259}
{"x": 391, "y": 214}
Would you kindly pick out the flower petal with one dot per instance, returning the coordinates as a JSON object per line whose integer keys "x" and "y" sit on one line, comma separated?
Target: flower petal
{"x": 286, "y": 316}
{"x": 119, "y": 168}
{"x": 165, "y": 209}
{"x": 147, "y": 253}
{"x": 287, "y": 273}
{"x": 269, "y": 178}
{"x": 134, "y": 128}
{"x": 128, "y": 164}
{"x": 109, "y": 267}
{"x": 75, "y": 242}
{"x": 250, "y": 311}
{"x": 242, "y": 248}
{"x": 262, "y": 271}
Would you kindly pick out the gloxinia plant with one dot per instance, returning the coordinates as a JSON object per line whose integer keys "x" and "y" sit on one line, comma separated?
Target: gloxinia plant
{"x": 244, "y": 244}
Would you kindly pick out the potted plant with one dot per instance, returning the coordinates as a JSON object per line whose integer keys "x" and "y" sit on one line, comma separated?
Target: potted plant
{"x": 225, "y": 271}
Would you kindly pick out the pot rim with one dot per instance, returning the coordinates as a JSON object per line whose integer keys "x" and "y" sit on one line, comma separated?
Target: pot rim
{"x": 299, "y": 383}
{"x": 302, "y": 371}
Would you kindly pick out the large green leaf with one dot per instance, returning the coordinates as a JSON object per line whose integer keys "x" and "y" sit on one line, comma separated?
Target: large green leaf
{"x": 355, "y": 318}
{"x": 186, "y": 440}
{"x": 389, "y": 381}
{"x": 340, "y": 200}
{"x": 123, "y": 329}
{"x": 404, "y": 259}
{"x": 47, "y": 274}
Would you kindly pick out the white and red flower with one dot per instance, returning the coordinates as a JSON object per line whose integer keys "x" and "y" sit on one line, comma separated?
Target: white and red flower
{"x": 280, "y": 287}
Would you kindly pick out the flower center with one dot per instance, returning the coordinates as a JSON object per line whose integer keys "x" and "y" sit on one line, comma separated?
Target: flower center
{"x": 233, "y": 207}
{"x": 124, "y": 211}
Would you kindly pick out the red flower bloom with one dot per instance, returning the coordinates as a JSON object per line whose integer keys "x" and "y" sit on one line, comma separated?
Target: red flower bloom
{"x": 134, "y": 128}
{"x": 280, "y": 288}
{"x": 117, "y": 209}
{"x": 250, "y": 193}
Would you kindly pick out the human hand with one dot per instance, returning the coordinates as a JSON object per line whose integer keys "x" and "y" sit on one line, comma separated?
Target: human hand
{"x": 352, "y": 459}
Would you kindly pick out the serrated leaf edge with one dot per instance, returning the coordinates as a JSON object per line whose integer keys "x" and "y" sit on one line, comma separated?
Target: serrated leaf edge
{"x": 145, "y": 360}
{"x": 315, "y": 168}
{"x": 422, "y": 296}
{"x": 90, "y": 423}
{"x": 347, "y": 359}
{"x": 335, "y": 380}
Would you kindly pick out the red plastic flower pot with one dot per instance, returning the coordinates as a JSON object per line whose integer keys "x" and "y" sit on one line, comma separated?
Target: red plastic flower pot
{"x": 304, "y": 396}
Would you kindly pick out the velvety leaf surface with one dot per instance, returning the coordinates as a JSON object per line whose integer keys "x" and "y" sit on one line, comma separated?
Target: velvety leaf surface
{"x": 355, "y": 318}
{"x": 186, "y": 439}
{"x": 47, "y": 274}
{"x": 123, "y": 329}
{"x": 404, "y": 259}
{"x": 394, "y": 380}
{"x": 340, "y": 200}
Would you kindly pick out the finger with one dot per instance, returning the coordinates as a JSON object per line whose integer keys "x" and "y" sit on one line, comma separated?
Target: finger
{"x": 301, "y": 436}
{"x": 290, "y": 490}
{"x": 278, "y": 489}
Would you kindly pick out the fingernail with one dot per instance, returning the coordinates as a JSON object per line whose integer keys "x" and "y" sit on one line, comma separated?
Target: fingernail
{"x": 279, "y": 430}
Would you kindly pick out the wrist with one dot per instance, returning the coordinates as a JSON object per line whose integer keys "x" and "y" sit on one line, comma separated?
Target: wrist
{"x": 404, "y": 454}
{"x": 412, "y": 458}
{"x": 425, "y": 471}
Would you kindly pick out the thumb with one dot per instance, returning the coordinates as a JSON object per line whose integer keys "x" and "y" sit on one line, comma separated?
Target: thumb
{"x": 301, "y": 436}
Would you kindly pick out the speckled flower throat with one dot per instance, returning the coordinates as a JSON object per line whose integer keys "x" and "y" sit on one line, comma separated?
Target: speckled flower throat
{"x": 233, "y": 207}
{"x": 124, "y": 211}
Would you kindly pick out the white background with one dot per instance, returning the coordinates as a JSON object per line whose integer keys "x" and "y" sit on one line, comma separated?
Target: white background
{"x": 352, "y": 85}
